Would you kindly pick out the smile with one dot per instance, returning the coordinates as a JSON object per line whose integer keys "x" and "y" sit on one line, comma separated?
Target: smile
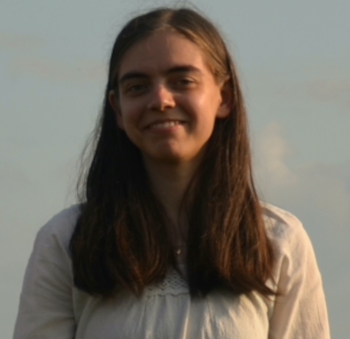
{"x": 165, "y": 124}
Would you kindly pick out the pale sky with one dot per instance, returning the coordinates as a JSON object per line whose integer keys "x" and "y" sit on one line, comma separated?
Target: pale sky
{"x": 294, "y": 62}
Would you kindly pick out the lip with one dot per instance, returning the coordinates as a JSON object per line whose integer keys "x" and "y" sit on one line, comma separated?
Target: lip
{"x": 165, "y": 124}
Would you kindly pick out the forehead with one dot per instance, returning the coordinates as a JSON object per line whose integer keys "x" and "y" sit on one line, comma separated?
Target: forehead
{"x": 160, "y": 51}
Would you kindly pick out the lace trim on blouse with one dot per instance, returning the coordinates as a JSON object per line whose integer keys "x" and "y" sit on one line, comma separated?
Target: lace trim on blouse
{"x": 173, "y": 284}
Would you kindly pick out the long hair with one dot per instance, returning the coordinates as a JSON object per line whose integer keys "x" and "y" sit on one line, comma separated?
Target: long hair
{"x": 120, "y": 239}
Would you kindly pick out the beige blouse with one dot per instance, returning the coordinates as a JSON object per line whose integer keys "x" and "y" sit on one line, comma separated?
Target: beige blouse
{"x": 52, "y": 308}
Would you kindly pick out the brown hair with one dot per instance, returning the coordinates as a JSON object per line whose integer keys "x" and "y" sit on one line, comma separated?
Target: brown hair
{"x": 120, "y": 240}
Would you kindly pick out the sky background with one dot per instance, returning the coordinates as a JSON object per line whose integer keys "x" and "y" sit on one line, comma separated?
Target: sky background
{"x": 294, "y": 62}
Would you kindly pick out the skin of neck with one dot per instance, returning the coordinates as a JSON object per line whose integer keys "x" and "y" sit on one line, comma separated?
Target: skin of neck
{"x": 169, "y": 182}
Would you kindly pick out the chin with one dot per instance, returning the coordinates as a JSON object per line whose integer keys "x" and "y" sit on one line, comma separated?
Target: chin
{"x": 170, "y": 158}
{"x": 175, "y": 158}
{"x": 172, "y": 155}
{"x": 166, "y": 156}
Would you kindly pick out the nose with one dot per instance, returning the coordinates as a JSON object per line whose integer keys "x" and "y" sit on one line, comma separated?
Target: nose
{"x": 161, "y": 98}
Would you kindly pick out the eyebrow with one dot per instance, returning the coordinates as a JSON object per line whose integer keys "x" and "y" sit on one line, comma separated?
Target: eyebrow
{"x": 177, "y": 69}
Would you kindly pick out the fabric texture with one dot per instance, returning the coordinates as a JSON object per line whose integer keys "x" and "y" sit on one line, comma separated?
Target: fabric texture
{"x": 51, "y": 307}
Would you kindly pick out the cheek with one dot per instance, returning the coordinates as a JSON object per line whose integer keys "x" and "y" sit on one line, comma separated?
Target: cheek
{"x": 208, "y": 107}
{"x": 129, "y": 114}
{"x": 201, "y": 103}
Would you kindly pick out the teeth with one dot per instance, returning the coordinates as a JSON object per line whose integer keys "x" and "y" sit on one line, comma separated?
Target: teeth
{"x": 166, "y": 124}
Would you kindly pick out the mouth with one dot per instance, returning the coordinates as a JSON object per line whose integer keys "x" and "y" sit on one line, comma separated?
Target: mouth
{"x": 165, "y": 124}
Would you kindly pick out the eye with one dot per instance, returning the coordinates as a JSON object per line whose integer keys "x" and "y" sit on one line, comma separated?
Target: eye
{"x": 184, "y": 82}
{"x": 136, "y": 88}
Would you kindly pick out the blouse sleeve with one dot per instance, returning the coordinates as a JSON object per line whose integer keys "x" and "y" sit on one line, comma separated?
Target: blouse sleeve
{"x": 300, "y": 310}
{"x": 46, "y": 308}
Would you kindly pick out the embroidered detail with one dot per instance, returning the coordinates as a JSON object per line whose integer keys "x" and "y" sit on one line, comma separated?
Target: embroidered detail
{"x": 173, "y": 284}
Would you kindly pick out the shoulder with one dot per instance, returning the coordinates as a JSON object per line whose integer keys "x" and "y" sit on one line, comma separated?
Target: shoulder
{"x": 294, "y": 253}
{"x": 57, "y": 232}
{"x": 281, "y": 225}
{"x": 286, "y": 232}
{"x": 297, "y": 279}
{"x": 45, "y": 308}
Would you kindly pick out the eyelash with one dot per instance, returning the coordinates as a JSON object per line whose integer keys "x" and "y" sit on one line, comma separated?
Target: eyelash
{"x": 136, "y": 89}
{"x": 185, "y": 81}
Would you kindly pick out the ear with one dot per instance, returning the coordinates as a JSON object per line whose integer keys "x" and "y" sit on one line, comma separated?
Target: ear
{"x": 114, "y": 102}
{"x": 226, "y": 101}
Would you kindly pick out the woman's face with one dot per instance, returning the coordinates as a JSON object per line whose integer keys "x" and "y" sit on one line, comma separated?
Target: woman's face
{"x": 168, "y": 98}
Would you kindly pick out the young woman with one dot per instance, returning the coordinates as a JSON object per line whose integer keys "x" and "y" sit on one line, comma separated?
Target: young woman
{"x": 170, "y": 239}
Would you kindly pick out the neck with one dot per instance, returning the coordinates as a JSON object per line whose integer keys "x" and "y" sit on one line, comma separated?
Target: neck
{"x": 169, "y": 183}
